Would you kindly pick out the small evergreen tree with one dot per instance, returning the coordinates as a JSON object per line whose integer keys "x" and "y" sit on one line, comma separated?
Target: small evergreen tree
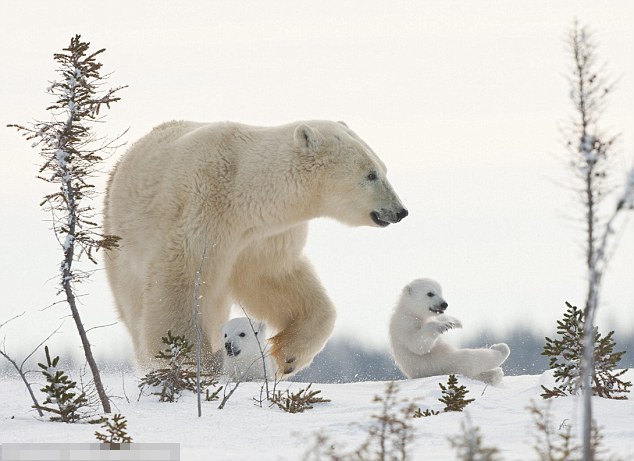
{"x": 566, "y": 354}
{"x": 297, "y": 402}
{"x": 592, "y": 151}
{"x": 116, "y": 430}
{"x": 558, "y": 442}
{"x": 71, "y": 153}
{"x": 180, "y": 372}
{"x": 453, "y": 396}
{"x": 389, "y": 434}
{"x": 61, "y": 392}
{"x": 389, "y": 438}
{"x": 418, "y": 413}
{"x": 468, "y": 444}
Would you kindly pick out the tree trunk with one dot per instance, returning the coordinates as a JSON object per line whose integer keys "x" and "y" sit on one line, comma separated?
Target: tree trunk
{"x": 67, "y": 278}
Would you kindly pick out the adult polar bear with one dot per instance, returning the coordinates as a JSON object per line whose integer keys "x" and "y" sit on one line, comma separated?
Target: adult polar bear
{"x": 244, "y": 195}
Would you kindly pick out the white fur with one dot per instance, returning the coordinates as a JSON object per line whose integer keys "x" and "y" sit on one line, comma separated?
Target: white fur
{"x": 245, "y": 344}
{"x": 417, "y": 344}
{"x": 244, "y": 194}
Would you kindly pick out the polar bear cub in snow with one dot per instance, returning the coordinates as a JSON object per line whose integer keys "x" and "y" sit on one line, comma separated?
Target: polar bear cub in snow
{"x": 417, "y": 323}
{"x": 244, "y": 345}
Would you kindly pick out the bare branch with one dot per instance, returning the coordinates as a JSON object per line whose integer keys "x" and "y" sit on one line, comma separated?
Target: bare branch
{"x": 12, "y": 318}
{"x": 101, "y": 326}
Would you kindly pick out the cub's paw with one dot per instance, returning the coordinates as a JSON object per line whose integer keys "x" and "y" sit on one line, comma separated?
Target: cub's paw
{"x": 503, "y": 349}
{"x": 446, "y": 323}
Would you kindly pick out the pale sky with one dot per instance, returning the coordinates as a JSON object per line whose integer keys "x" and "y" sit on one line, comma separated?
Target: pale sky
{"x": 463, "y": 100}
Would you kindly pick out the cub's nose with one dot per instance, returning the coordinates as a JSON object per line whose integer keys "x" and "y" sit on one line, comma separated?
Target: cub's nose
{"x": 401, "y": 214}
{"x": 444, "y": 306}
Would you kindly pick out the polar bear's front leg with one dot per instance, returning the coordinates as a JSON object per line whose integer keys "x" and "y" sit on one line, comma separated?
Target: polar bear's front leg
{"x": 427, "y": 335}
{"x": 305, "y": 317}
{"x": 295, "y": 304}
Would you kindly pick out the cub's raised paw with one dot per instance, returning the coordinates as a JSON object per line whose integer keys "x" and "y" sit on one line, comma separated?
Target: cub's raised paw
{"x": 446, "y": 323}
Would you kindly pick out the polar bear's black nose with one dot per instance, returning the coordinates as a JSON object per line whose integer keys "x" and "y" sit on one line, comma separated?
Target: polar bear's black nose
{"x": 444, "y": 306}
{"x": 401, "y": 214}
{"x": 231, "y": 351}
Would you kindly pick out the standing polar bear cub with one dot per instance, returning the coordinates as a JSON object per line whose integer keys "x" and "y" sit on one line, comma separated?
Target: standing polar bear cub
{"x": 242, "y": 196}
{"x": 417, "y": 323}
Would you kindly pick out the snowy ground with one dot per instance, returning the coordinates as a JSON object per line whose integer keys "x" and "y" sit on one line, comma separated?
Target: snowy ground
{"x": 242, "y": 429}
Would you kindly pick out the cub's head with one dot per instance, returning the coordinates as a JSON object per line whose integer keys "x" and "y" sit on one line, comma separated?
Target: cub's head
{"x": 353, "y": 185}
{"x": 423, "y": 298}
{"x": 240, "y": 339}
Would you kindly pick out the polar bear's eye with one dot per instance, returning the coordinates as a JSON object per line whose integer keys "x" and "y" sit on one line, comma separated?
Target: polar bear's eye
{"x": 372, "y": 176}
{"x": 225, "y": 335}
{"x": 242, "y": 335}
{"x": 430, "y": 294}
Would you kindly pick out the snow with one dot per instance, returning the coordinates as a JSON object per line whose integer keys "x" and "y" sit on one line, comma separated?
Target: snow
{"x": 243, "y": 429}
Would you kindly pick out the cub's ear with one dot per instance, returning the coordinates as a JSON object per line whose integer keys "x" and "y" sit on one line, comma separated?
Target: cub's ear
{"x": 307, "y": 138}
{"x": 342, "y": 123}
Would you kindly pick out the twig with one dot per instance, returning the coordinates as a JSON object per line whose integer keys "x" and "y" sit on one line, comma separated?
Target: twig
{"x": 197, "y": 324}
{"x": 257, "y": 338}
{"x": 226, "y": 396}
{"x": 123, "y": 386}
{"x": 12, "y": 318}
{"x": 101, "y": 326}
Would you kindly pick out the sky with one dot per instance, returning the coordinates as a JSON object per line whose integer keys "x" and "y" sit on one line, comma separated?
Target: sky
{"x": 464, "y": 101}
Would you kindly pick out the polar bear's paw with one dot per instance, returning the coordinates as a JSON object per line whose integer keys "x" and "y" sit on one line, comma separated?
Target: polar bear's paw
{"x": 503, "y": 349}
{"x": 493, "y": 377}
{"x": 446, "y": 322}
{"x": 290, "y": 353}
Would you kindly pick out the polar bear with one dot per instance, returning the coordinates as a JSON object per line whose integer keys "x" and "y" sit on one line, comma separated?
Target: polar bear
{"x": 232, "y": 202}
{"x": 416, "y": 326}
{"x": 244, "y": 348}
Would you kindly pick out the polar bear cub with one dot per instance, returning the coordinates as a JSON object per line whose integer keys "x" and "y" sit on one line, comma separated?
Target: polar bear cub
{"x": 244, "y": 345}
{"x": 417, "y": 323}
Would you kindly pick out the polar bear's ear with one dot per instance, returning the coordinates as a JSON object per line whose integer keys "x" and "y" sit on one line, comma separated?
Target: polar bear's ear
{"x": 307, "y": 138}
{"x": 342, "y": 123}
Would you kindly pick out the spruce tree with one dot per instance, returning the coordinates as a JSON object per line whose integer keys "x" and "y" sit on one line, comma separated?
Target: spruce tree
{"x": 565, "y": 357}
{"x": 65, "y": 400}
{"x": 116, "y": 430}
{"x": 453, "y": 396}
{"x": 173, "y": 378}
{"x": 179, "y": 373}
{"x": 469, "y": 446}
{"x": 71, "y": 154}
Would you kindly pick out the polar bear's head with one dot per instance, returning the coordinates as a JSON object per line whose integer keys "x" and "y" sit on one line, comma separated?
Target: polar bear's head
{"x": 423, "y": 298}
{"x": 353, "y": 187}
{"x": 240, "y": 339}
